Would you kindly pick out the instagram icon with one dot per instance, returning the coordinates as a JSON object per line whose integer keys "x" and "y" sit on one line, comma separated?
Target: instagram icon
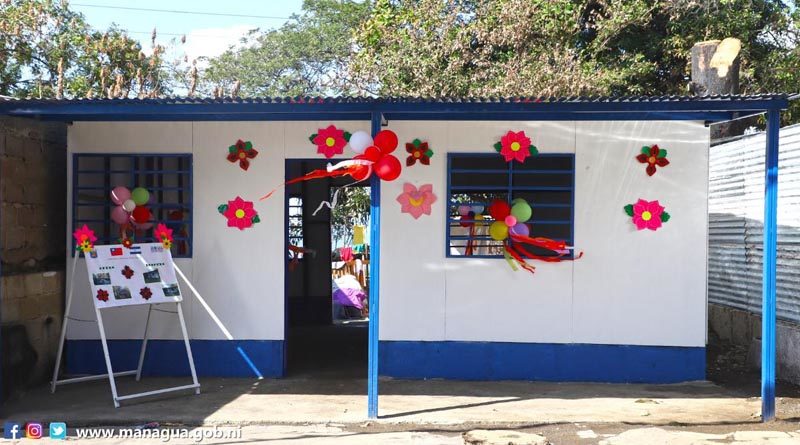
{"x": 33, "y": 430}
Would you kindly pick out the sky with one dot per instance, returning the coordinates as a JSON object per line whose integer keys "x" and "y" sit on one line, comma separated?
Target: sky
{"x": 206, "y": 35}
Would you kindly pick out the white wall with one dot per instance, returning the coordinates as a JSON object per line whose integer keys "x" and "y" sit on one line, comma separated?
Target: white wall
{"x": 645, "y": 288}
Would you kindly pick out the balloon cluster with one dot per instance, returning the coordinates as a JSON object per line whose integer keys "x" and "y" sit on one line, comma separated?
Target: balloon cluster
{"x": 470, "y": 214}
{"x": 509, "y": 219}
{"x": 131, "y": 207}
{"x": 376, "y": 151}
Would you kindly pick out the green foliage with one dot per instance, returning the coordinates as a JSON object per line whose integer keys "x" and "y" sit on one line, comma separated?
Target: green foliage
{"x": 352, "y": 208}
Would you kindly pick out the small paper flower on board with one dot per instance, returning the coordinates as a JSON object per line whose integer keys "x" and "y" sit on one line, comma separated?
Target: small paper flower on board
{"x": 330, "y": 141}
{"x": 647, "y": 214}
{"x": 240, "y": 213}
{"x": 163, "y": 234}
{"x": 416, "y": 202}
{"x": 515, "y": 147}
{"x": 418, "y": 151}
{"x": 146, "y": 293}
{"x": 127, "y": 272}
{"x": 84, "y": 239}
{"x": 242, "y": 152}
{"x": 127, "y": 242}
{"x": 653, "y": 156}
{"x": 102, "y": 295}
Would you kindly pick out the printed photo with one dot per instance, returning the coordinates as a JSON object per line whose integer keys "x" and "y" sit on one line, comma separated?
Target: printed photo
{"x": 171, "y": 291}
{"x": 101, "y": 278}
{"x": 151, "y": 276}
{"x": 121, "y": 293}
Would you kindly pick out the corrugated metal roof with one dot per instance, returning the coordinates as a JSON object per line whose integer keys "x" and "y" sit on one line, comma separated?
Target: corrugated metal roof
{"x": 411, "y": 99}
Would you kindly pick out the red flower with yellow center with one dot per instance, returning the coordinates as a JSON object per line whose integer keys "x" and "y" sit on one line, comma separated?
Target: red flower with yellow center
{"x": 653, "y": 156}
{"x": 242, "y": 152}
{"x": 418, "y": 151}
{"x": 240, "y": 213}
{"x": 330, "y": 141}
{"x": 515, "y": 146}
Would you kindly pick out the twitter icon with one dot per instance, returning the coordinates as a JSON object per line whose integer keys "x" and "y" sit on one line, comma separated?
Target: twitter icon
{"x": 58, "y": 430}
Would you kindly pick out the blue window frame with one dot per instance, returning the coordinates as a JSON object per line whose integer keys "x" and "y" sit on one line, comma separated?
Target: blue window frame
{"x": 474, "y": 180}
{"x": 168, "y": 178}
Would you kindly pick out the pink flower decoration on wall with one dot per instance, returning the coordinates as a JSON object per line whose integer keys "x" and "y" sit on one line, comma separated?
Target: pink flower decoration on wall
{"x": 330, "y": 141}
{"x": 240, "y": 213}
{"x": 647, "y": 214}
{"x": 515, "y": 146}
{"x": 416, "y": 202}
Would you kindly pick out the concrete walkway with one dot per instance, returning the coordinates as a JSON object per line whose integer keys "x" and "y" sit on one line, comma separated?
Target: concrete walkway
{"x": 462, "y": 405}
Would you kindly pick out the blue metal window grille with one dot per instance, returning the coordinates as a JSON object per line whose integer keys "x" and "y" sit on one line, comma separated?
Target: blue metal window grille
{"x": 546, "y": 181}
{"x": 168, "y": 178}
{"x": 296, "y": 223}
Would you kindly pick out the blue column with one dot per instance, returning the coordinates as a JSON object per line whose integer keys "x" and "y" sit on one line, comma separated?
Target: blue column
{"x": 374, "y": 283}
{"x": 770, "y": 259}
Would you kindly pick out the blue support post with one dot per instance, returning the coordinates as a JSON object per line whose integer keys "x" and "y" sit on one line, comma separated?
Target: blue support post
{"x": 374, "y": 283}
{"x": 768, "y": 319}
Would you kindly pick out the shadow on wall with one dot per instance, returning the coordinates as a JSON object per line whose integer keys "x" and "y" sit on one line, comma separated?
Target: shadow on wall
{"x": 32, "y": 248}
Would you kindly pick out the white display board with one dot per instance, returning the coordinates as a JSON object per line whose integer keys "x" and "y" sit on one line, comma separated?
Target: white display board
{"x": 141, "y": 274}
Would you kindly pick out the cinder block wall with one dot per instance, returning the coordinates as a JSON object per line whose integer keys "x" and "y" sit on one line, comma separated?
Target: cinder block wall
{"x": 32, "y": 239}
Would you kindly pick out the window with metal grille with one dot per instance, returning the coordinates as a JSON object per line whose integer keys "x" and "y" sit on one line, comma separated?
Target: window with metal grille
{"x": 168, "y": 178}
{"x": 296, "y": 223}
{"x": 546, "y": 181}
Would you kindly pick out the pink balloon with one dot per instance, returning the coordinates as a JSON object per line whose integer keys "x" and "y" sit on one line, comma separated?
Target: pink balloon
{"x": 120, "y": 194}
{"x": 119, "y": 215}
{"x": 521, "y": 229}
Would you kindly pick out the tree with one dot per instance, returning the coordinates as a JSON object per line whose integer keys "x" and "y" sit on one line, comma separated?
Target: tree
{"x": 309, "y": 55}
{"x": 352, "y": 208}
{"x": 49, "y": 50}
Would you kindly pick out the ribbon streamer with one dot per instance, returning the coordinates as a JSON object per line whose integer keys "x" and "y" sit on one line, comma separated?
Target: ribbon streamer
{"x": 520, "y": 255}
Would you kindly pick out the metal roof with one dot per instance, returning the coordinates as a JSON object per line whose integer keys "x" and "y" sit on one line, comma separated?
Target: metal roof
{"x": 710, "y": 108}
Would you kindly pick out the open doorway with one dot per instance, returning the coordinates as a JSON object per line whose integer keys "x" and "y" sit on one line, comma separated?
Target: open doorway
{"x": 327, "y": 275}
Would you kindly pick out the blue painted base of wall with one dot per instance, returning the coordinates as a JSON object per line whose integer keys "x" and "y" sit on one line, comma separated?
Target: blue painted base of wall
{"x": 541, "y": 361}
{"x": 212, "y": 358}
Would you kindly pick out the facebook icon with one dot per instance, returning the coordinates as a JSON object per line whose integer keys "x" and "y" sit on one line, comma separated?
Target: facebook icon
{"x": 12, "y": 430}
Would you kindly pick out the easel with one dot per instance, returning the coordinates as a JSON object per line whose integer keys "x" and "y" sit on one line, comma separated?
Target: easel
{"x": 138, "y": 371}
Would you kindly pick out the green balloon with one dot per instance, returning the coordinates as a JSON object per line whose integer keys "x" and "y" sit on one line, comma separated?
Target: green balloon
{"x": 140, "y": 196}
{"x": 522, "y": 211}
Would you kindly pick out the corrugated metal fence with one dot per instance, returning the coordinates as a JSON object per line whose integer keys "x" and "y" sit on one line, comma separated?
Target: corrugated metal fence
{"x": 736, "y": 216}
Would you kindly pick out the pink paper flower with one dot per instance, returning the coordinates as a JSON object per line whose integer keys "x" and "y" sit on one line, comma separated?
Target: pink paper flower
{"x": 330, "y": 141}
{"x": 647, "y": 214}
{"x": 84, "y": 238}
{"x": 416, "y": 202}
{"x": 164, "y": 235}
{"x": 240, "y": 213}
{"x": 515, "y": 146}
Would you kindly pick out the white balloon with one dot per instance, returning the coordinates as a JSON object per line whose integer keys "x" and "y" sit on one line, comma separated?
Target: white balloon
{"x": 359, "y": 141}
{"x": 129, "y": 205}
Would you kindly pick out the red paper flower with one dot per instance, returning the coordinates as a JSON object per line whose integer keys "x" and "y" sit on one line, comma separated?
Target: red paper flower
{"x": 127, "y": 242}
{"x": 146, "y": 293}
{"x": 515, "y": 147}
{"x": 653, "y": 156}
{"x": 102, "y": 295}
{"x": 164, "y": 235}
{"x": 419, "y": 151}
{"x": 242, "y": 151}
{"x": 647, "y": 214}
{"x": 127, "y": 272}
{"x": 84, "y": 238}
{"x": 240, "y": 213}
{"x": 330, "y": 141}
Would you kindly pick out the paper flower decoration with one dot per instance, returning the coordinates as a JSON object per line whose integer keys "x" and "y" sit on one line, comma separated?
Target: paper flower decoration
{"x": 146, "y": 293}
{"x": 510, "y": 225}
{"x": 242, "y": 152}
{"x": 653, "y": 156}
{"x": 84, "y": 239}
{"x": 102, "y": 295}
{"x": 127, "y": 242}
{"x": 127, "y": 272}
{"x": 240, "y": 213}
{"x": 164, "y": 235}
{"x": 330, "y": 141}
{"x": 647, "y": 214}
{"x": 418, "y": 151}
{"x": 515, "y": 147}
{"x": 416, "y": 202}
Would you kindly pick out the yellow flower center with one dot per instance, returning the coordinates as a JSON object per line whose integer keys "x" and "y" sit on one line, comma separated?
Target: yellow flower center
{"x": 416, "y": 154}
{"x": 242, "y": 155}
{"x": 652, "y": 160}
{"x": 515, "y": 146}
{"x": 239, "y": 213}
{"x": 330, "y": 141}
{"x": 647, "y": 216}
{"x": 415, "y": 202}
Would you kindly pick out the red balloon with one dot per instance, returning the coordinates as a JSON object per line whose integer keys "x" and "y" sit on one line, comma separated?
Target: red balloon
{"x": 361, "y": 173}
{"x": 499, "y": 209}
{"x": 371, "y": 154}
{"x": 388, "y": 168}
{"x": 386, "y": 140}
{"x": 141, "y": 214}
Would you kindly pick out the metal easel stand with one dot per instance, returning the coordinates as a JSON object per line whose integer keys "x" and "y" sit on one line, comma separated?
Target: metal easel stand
{"x": 111, "y": 374}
